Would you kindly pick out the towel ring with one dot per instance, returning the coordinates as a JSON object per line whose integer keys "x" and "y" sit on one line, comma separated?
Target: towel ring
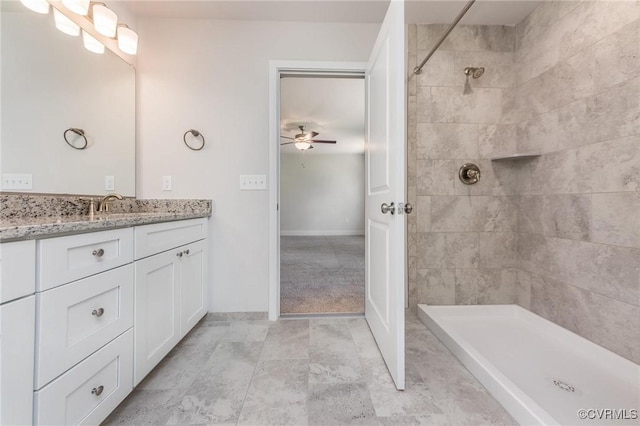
{"x": 196, "y": 134}
{"x": 78, "y": 132}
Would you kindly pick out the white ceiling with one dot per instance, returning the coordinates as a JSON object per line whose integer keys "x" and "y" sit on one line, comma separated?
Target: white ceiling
{"x": 333, "y": 107}
{"x": 483, "y": 12}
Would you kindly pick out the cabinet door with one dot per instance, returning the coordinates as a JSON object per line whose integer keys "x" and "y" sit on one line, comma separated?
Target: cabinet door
{"x": 193, "y": 285}
{"x": 17, "y": 343}
{"x": 157, "y": 306}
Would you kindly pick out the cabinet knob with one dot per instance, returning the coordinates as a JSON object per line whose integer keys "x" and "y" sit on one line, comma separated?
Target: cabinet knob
{"x": 186, "y": 251}
{"x": 179, "y": 254}
{"x": 97, "y": 312}
{"x": 97, "y": 391}
{"x": 98, "y": 253}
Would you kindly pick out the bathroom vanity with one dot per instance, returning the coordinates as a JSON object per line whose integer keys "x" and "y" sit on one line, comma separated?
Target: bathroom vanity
{"x": 85, "y": 317}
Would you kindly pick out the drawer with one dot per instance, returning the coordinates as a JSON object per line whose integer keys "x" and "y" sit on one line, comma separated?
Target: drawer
{"x": 17, "y": 269}
{"x": 159, "y": 237}
{"x": 87, "y": 393}
{"x": 74, "y": 320}
{"x": 65, "y": 259}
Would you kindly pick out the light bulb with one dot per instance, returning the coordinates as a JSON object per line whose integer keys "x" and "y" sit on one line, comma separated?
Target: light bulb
{"x": 105, "y": 20}
{"x": 81, "y": 7}
{"x": 39, "y": 6}
{"x": 302, "y": 145}
{"x": 65, "y": 24}
{"x": 127, "y": 40}
{"x": 91, "y": 44}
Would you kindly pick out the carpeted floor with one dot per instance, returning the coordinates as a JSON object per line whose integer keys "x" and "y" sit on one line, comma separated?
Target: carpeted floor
{"x": 321, "y": 275}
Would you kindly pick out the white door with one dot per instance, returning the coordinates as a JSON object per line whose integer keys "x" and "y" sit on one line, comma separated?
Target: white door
{"x": 385, "y": 159}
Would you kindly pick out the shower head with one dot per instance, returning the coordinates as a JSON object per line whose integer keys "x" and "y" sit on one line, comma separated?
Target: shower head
{"x": 474, "y": 72}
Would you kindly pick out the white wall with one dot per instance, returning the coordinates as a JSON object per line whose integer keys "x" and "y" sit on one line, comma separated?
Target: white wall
{"x": 213, "y": 76}
{"x": 322, "y": 194}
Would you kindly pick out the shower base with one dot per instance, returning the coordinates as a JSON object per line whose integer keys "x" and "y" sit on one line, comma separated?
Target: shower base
{"x": 540, "y": 372}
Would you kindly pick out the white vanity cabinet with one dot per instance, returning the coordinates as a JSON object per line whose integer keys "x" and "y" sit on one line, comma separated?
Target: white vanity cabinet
{"x": 85, "y": 317}
{"x": 17, "y": 331}
{"x": 170, "y": 288}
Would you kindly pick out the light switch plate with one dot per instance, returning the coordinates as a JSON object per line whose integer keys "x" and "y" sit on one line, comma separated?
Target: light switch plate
{"x": 167, "y": 183}
{"x": 17, "y": 181}
{"x": 253, "y": 182}
{"x": 109, "y": 183}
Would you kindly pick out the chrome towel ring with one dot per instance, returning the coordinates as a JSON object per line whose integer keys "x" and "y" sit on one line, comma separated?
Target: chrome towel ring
{"x": 78, "y": 132}
{"x": 196, "y": 134}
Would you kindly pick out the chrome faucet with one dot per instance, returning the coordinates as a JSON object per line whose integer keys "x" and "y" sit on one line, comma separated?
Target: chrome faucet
{"x": 103, "y": 204}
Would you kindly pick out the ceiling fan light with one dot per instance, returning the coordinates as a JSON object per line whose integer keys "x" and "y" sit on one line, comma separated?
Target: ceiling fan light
{"x": 105, "y": 20}
{"x": 127, "y": 40}
{"x": 81, "y": 7}
{"x": 65, "y": 24}
{"x": 38, "y": 6}
{"x": 91, "y": 44}
{"x": 302, "y": 146}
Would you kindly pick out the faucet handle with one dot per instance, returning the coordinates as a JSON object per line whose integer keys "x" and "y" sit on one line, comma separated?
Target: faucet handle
{"x": 92, "y": 205}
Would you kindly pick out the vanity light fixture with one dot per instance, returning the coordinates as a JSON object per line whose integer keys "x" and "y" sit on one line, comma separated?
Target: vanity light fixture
{"x": 38, "y": 6}
{"x": 65, "y": 24}
{"x": 91, "y": 44}
{"x": 105, "y": 20}
{"x": 127, "y": 39}
{"x": 81, "y": 7}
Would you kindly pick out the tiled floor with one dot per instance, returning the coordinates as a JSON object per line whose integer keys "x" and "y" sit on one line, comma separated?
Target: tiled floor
{"x": 322, "y": 274}
{"x": 300, "y": 371}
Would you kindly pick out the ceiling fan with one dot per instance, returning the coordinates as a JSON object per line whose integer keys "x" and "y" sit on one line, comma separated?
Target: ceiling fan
{"x": 304, "y": 141}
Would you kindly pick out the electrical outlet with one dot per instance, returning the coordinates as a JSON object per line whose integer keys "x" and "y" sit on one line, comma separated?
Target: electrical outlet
{"x": 166, "y": 183}
{"x": 17, "y": 181}
{"x": 109, "y": 183}
{"x": 253, "y": 182}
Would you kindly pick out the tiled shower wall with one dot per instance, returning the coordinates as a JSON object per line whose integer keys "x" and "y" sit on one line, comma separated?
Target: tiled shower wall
{"x": 463, "y": 239}
{"x": 559, "y": 234}
{"x": 578, "y": 102}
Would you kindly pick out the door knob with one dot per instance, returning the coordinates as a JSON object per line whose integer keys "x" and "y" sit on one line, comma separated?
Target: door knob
{"x": 408, "y": 208}
{"x": 387, "y": 208}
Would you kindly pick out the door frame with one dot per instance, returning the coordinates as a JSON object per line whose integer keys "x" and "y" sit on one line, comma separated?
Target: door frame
{"x": 276, "y": 69}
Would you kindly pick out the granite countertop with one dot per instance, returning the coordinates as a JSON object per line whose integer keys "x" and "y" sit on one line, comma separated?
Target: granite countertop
{"x": 27, "y": 228}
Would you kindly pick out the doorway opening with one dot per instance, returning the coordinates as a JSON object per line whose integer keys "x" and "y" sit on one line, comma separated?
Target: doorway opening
{"x": 322, "y": 194}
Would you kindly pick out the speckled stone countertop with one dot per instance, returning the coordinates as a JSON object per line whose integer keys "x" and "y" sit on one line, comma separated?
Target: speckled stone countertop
{"x": 21, "y": 218}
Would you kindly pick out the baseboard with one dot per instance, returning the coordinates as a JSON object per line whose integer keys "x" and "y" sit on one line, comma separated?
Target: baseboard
{"x": 236, "y": 316}
{"x": 321, "y": 233}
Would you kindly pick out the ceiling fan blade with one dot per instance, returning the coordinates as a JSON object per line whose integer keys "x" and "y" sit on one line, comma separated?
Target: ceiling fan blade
{"x": 314, "y": 134}
{"x": 286, "y": 143}
{"x": 286, "y": 137}
{"x": 320, "y": 141}
{"x": 310, "y": 147}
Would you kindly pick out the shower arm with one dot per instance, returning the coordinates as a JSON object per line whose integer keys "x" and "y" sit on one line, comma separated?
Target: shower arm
{"x": 418, "y": 69}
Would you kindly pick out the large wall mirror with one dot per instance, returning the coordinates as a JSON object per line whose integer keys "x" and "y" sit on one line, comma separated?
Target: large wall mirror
{"x": 50, "y": 83}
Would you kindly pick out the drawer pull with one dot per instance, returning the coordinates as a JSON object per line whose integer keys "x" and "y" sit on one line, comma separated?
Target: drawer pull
{"x": 98, "y": 253}
{"x": 179, "y": 254}
{"x": 97, "y": 312}
{"x": 186, "y": 251}
{"x": 97, "y": 391}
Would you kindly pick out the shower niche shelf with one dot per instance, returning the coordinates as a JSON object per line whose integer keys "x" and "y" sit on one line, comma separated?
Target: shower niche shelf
{"x": 520, "y": 156}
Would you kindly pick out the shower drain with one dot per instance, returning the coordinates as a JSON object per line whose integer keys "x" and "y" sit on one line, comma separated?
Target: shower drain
{"x": 564, "y": 386}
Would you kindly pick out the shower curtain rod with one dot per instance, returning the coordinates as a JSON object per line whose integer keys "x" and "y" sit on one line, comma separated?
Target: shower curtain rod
{"x": 418, "y": 69}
